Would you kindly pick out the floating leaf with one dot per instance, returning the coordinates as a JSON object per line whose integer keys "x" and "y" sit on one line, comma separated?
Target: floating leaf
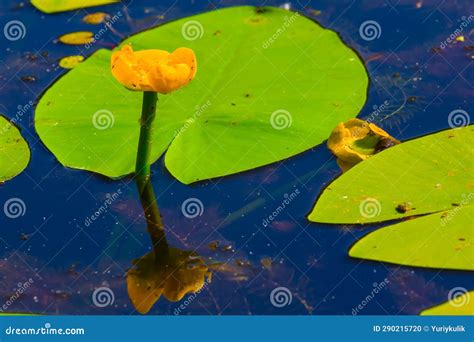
{"x": 424, "y": 175}
{"x": 256, "y": 98}
{"x": 441, "y": 240}
{"x": 70, "y": 61}
{"x": 95, "y": 18}
{"x": 14, "y": 151}
{"x": 77, "y": 38}
{"x": 54, "y": 6}
{"x": 462, "y": 305}
{"x": 432, "y": 174}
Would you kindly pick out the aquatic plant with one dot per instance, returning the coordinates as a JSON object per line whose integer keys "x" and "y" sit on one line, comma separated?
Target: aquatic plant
{"x": 430, "y": 175}
{"x": 54, "y": 6}
{"x": 14, "y": 151}
{"x": 223, "y": 120}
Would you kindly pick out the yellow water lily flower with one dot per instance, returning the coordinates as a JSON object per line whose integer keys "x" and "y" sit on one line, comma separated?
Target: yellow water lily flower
{"x": 356, "y": 140}
{"x": 154, "y": 70}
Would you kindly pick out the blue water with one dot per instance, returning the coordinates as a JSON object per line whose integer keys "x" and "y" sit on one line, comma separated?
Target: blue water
{"x": 68, "y": 260}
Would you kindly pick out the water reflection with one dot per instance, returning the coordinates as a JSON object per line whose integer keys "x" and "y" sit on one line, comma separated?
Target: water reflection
{"x": 166, "y": 271}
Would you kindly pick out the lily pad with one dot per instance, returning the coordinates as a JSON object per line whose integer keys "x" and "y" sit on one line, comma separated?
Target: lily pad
{"x": 441, "y": 240}
{"x": 420, "y": 176}
{"x": 14, "y": 151}
{"x": 462, "y": 305}
{"x": 256, "y": 98}
{"x": 54, "y": 6}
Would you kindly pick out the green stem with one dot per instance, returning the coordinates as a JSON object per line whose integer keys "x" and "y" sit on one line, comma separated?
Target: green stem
{"x": 142, "y": 167}
{"x": 142, "y": 173}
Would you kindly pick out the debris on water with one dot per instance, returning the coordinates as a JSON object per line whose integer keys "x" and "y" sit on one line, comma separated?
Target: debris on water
{"x": 313, "y": 11}
{"x": 460, "y": 38}
{"x": 23, "y": 236}
{"x": 266, "y": 263}
{"x": 214, "y": 245}
{"x": 227, "y": 248}
{"x": 383, "y": 144}
{"x": 31, "y": 57}
{"x": 242, "y": 263}
{"x": 404, "y": 207}
{"x": 70, "y": 62}
{"x": 29, "y": 79}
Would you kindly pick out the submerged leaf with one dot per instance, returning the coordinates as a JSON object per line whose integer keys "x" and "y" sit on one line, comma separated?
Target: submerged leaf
{"x": 180, "y": 273}
{"x": 53, "y": 6}
{"x": 462, "y": 305}
{"x": 70, "y": 61}
{"x": 243, "y": 110}
{"x": 77, "y": 38}
{"x": 14, "y": 151}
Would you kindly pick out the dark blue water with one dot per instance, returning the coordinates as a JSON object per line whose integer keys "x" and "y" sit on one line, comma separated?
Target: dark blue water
{"x": 68, "y": 260}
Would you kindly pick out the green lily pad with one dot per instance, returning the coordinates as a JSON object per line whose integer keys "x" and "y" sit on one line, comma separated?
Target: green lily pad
{"x": 462, "y": 305}
{"x": 420, "y": 176}
{"x": 429, "y": 175}
{"x": 270, "y": 84}
{"x": 441, "y": 240}
{"x": 14, "y": 151}
{"x": 54, "y": 6}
